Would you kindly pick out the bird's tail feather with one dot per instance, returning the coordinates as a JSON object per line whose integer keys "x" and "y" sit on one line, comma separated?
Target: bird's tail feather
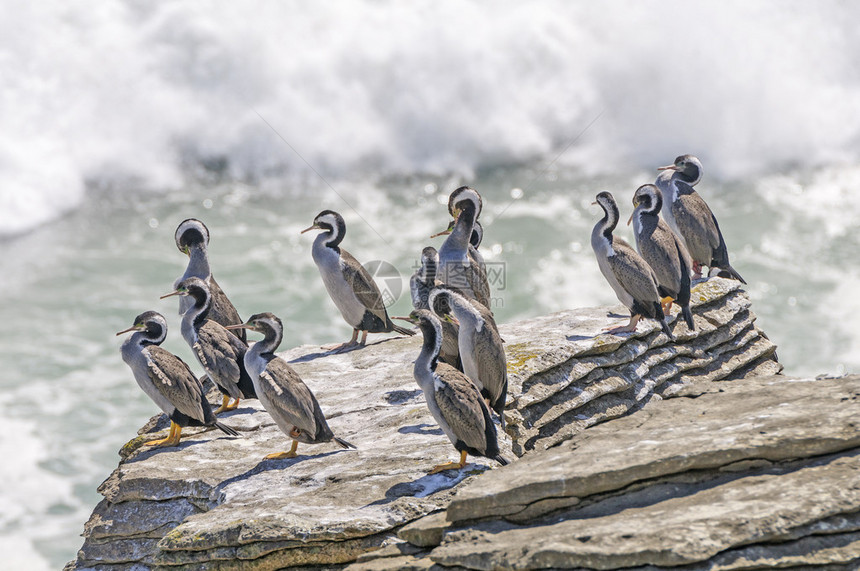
{"x": 661, "y": 317}
{"x": 226, "y": 429}
{"x": 403, "y": 330}
{"x": 501, "y": 460}
{"x": 731, "y": 273}
{"x": 688, "y": 317}
{"x": 344, "y": 443}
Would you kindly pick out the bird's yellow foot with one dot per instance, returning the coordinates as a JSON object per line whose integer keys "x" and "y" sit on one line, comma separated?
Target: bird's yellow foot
{"x": 291, "y": 453}
{"x": 233, "y": 406}
{"x": 450, "y": 465}
{"x": 172, "y": 437}
{"x": 280, "y": 455}
{"x": 223, "y": 407}
{"x": 629, "y": 328}
{"x": 667, "y": 302}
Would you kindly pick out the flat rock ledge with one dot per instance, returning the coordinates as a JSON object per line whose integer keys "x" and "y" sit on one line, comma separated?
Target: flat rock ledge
{"x": 214, "y": 503}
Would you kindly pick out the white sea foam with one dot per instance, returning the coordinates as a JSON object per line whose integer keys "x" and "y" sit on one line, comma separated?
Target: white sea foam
{"x": 132, "y": 94}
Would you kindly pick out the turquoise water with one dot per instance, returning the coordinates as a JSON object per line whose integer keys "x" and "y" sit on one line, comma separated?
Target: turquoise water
{"x": 121, "y": 120}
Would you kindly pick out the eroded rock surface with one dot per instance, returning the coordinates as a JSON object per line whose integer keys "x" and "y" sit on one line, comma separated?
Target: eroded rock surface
{"x": 763, "y": 473}
{"x": 213, "y": 502}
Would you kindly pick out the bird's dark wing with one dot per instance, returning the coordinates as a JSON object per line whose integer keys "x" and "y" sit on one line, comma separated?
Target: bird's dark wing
{"x": 174, "y": 379}
{"x": 461, "y": 406}
{"x": 490, "y": 353}
{"x": 363, "y": 285}
{"x": 660, "y": 250}
{"x": 222, "y": 310}
{"x": 290, "y": 396}
{"x": 219, "y": 350}
{"x": 633, "y": 273}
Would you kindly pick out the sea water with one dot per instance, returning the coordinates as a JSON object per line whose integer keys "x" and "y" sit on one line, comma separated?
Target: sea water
{"x": 121, "y": 120}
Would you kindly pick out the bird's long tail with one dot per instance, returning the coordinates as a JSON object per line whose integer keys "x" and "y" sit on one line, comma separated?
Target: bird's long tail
{"x": 402, "y": 330}
{"x": 727, "y": 271}
{"x": 501, "y": 460}
{"x": 226, "y": 429}
{"x": 344, "y": 443}
{"x": 688, "y": 317}
{"x": 661, "y": 317}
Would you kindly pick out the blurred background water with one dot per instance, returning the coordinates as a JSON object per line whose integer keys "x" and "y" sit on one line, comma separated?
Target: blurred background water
{"x": 120, "y": 120}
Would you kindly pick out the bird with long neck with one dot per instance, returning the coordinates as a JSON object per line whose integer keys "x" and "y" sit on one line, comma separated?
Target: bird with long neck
{"x": 663, "y": 250}
{"x": 480, "y": 345}
{"x": 453, "y": 400}
{"x": 420, "y": 284}
{"x": 281, "y": 390}
{"x": 456, "y": 268}
{"x": 349, "y": 284}
{"x": 690, "y": 217}
{"x": 192, "y": 239}
{"x": 166, "y": 379}
{"x": 628, "y": 274}
{"x": 219, "y": 351}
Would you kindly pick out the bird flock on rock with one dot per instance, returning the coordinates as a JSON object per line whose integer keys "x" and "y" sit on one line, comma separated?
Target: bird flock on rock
{"x": 461, "y": 368}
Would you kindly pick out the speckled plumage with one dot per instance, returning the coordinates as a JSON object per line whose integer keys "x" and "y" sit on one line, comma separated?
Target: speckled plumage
{"x": 662, "y": 249}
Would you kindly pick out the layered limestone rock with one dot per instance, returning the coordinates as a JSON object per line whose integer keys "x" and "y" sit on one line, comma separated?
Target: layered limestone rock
{"x": 213, "y": 502}
{"x": 764, "y": 473}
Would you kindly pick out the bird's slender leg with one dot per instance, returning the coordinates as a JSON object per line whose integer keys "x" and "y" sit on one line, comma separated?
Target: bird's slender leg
{"x": 223, "y": 407}
{"x": 667, "y": 302}
{"x": 363, "y": 338}
{"x": 343, "y": 346}
{"x": 280, "y": 455}
{"x": 233, "y": 406}
{"x": 172, "y": 437}
{"x": 450, "y": 465}
{"x": 629, "y": 328}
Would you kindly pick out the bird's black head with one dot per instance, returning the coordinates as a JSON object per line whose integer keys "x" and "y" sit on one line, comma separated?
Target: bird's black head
{"x": 465, "y": 198}
{"x": 689, "y": 168}
{"x": 429, "y": 259}
{"x": 152, "y": 324}
{"x": 191, "y": 233}
{"x": 648, "y": 198}
{"x": 331, "y": 222}
{"x": 197, "y": 289}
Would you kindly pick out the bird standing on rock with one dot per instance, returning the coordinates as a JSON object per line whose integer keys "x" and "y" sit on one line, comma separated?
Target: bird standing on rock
{"x": 281, "y": 391}
{"x": 192, "y": 239}
{"x": 453, "y": 400}
{"x": 349, "y": 285}
{"x": 663, "y": 250}
{"x": 456, "y": 267}
{"x": 481, "y": 349}
{"x": 219, "y": 351}
{"x": 166, "y": 379}
{"x": 689, "y": 216}
{"x": 630, "y": 276}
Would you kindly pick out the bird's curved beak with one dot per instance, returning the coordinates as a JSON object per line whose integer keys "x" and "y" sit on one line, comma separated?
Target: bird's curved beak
{"x": 239, "y": 326}
{"x": 629, "y": 220}
{"x": 451, "y": 319}
{"x": 409, "y": 319}
{"x": 130, "y": 329}
{"x": 668, "y": 168}
{"x": 177, "y": 292}
{"x": 309, "y": 228}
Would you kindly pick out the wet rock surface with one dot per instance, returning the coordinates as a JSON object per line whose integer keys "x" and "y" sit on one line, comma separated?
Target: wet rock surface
{"x": 214, "y": 502}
